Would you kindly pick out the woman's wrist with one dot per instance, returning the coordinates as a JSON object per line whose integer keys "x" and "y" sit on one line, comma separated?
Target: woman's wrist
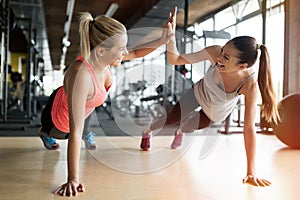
{"x": 251, "y": 172}
{"x": 75, "y": 180}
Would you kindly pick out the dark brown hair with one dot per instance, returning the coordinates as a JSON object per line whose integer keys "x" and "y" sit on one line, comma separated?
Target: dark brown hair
{"x": 248, "y": 52}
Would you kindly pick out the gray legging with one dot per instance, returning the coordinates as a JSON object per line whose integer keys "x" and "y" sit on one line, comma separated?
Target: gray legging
{"x": 183, "y": 115}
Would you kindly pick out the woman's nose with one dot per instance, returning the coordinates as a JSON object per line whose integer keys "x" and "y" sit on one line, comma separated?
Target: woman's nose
{"x": 126, "y": 52}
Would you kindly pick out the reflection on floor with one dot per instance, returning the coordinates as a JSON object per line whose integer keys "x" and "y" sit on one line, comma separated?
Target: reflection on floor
{"x": 208, "y": 166}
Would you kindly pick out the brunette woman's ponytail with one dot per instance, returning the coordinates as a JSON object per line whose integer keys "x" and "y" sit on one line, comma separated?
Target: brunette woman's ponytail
{"x": 269, "y": 110}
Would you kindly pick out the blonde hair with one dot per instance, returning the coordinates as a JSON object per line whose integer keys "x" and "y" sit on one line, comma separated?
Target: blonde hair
{"x": 94, "y": 31}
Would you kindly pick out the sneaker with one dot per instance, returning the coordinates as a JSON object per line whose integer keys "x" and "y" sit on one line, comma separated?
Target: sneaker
{"x": 145, "y": 143}
{"x": 177, "y": 141}
{"x": 89, "y": 140}
{"x": 49, "y": 142}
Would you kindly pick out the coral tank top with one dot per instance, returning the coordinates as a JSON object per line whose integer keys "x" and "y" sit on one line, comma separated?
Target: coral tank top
{"x": 59, "y": 112}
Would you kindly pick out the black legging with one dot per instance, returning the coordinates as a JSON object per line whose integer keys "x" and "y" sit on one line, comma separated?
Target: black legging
{"x": 183, "y": 115}
{"x": 46, "y": 117}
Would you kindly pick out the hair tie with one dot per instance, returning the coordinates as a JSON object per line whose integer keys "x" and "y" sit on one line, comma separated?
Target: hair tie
{"x": 258, "y": 46}
{"x": 93, "y": 21}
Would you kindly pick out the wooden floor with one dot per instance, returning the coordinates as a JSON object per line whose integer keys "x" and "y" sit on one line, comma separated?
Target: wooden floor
{"x": 118, "y": 170}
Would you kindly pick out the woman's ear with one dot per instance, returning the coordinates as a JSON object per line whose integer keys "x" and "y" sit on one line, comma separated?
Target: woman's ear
{"x": 244, "y": 66}
{"x": 100, "y": 51}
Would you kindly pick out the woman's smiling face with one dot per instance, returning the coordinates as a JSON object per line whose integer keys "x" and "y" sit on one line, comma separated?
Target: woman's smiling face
{"x": 113, "y": 53}
{"x": 228, "y": 60}
{"x": 119, "y": 51}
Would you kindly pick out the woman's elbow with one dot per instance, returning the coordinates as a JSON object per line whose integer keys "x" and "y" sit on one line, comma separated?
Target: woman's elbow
{"x": 249, "y": 130}
{"x": 172, "y": 61}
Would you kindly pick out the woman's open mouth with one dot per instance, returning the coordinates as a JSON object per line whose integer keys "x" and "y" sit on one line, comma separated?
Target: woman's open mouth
{"x": 220, "y": 66}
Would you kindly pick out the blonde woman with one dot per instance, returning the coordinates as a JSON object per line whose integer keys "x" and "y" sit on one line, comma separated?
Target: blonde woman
{"x": 86, "y": 84}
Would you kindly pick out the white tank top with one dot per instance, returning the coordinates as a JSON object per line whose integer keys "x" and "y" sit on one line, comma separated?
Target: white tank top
{"x": 216, "y": 103}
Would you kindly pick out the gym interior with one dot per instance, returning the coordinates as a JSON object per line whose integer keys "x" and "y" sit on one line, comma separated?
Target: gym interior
{"x": 39, "y": 39}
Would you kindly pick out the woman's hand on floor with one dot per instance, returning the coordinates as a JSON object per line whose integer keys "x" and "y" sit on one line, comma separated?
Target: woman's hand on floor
{"x": 71, "y": 188}
{"x": 253, "y": 180}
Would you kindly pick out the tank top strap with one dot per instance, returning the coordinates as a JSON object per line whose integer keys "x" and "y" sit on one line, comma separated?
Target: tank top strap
{"x": 242, "y": 84}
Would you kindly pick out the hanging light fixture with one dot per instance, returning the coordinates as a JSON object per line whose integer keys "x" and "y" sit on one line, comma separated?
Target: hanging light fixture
{"x": 111, "y": 10}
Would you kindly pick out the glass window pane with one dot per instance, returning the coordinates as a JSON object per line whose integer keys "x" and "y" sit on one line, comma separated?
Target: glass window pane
{"x": 207, "y": 25}
{"x": 251, "y": 27}
{"x": 245, "y": 7}
{"x": 225, "y": 18}
{"x": 275, "y": 45}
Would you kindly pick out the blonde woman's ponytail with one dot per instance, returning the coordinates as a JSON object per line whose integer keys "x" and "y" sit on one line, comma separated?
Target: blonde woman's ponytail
{"x": 94, "y": 31}
{"x": 84, "y": 28}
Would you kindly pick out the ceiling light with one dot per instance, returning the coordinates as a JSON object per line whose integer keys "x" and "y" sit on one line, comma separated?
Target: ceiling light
{"x": 111, "y": 10}
{"x": 66, "y": 42}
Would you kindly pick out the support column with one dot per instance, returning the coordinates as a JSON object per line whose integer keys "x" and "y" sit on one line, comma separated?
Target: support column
{"x": 291, "y": 80}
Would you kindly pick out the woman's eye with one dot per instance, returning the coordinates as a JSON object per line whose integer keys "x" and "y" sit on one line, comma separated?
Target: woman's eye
{"x": 226, "y": 57}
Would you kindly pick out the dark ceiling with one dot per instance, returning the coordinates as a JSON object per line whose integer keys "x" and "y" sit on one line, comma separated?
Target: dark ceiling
{"x": 48, "y": 19}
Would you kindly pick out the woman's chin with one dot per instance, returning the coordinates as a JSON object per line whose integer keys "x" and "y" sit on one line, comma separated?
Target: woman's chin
{"x": 116, "y": 63}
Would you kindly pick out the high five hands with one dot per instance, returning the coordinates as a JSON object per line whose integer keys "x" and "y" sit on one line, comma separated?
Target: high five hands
{"x": 170, "y": 25}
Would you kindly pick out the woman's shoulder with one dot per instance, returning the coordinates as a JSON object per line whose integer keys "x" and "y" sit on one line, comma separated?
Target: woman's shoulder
{"x": 250, "y": 86}
{"x": 77, "y": 71}
{"x": 77, "y": 66}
